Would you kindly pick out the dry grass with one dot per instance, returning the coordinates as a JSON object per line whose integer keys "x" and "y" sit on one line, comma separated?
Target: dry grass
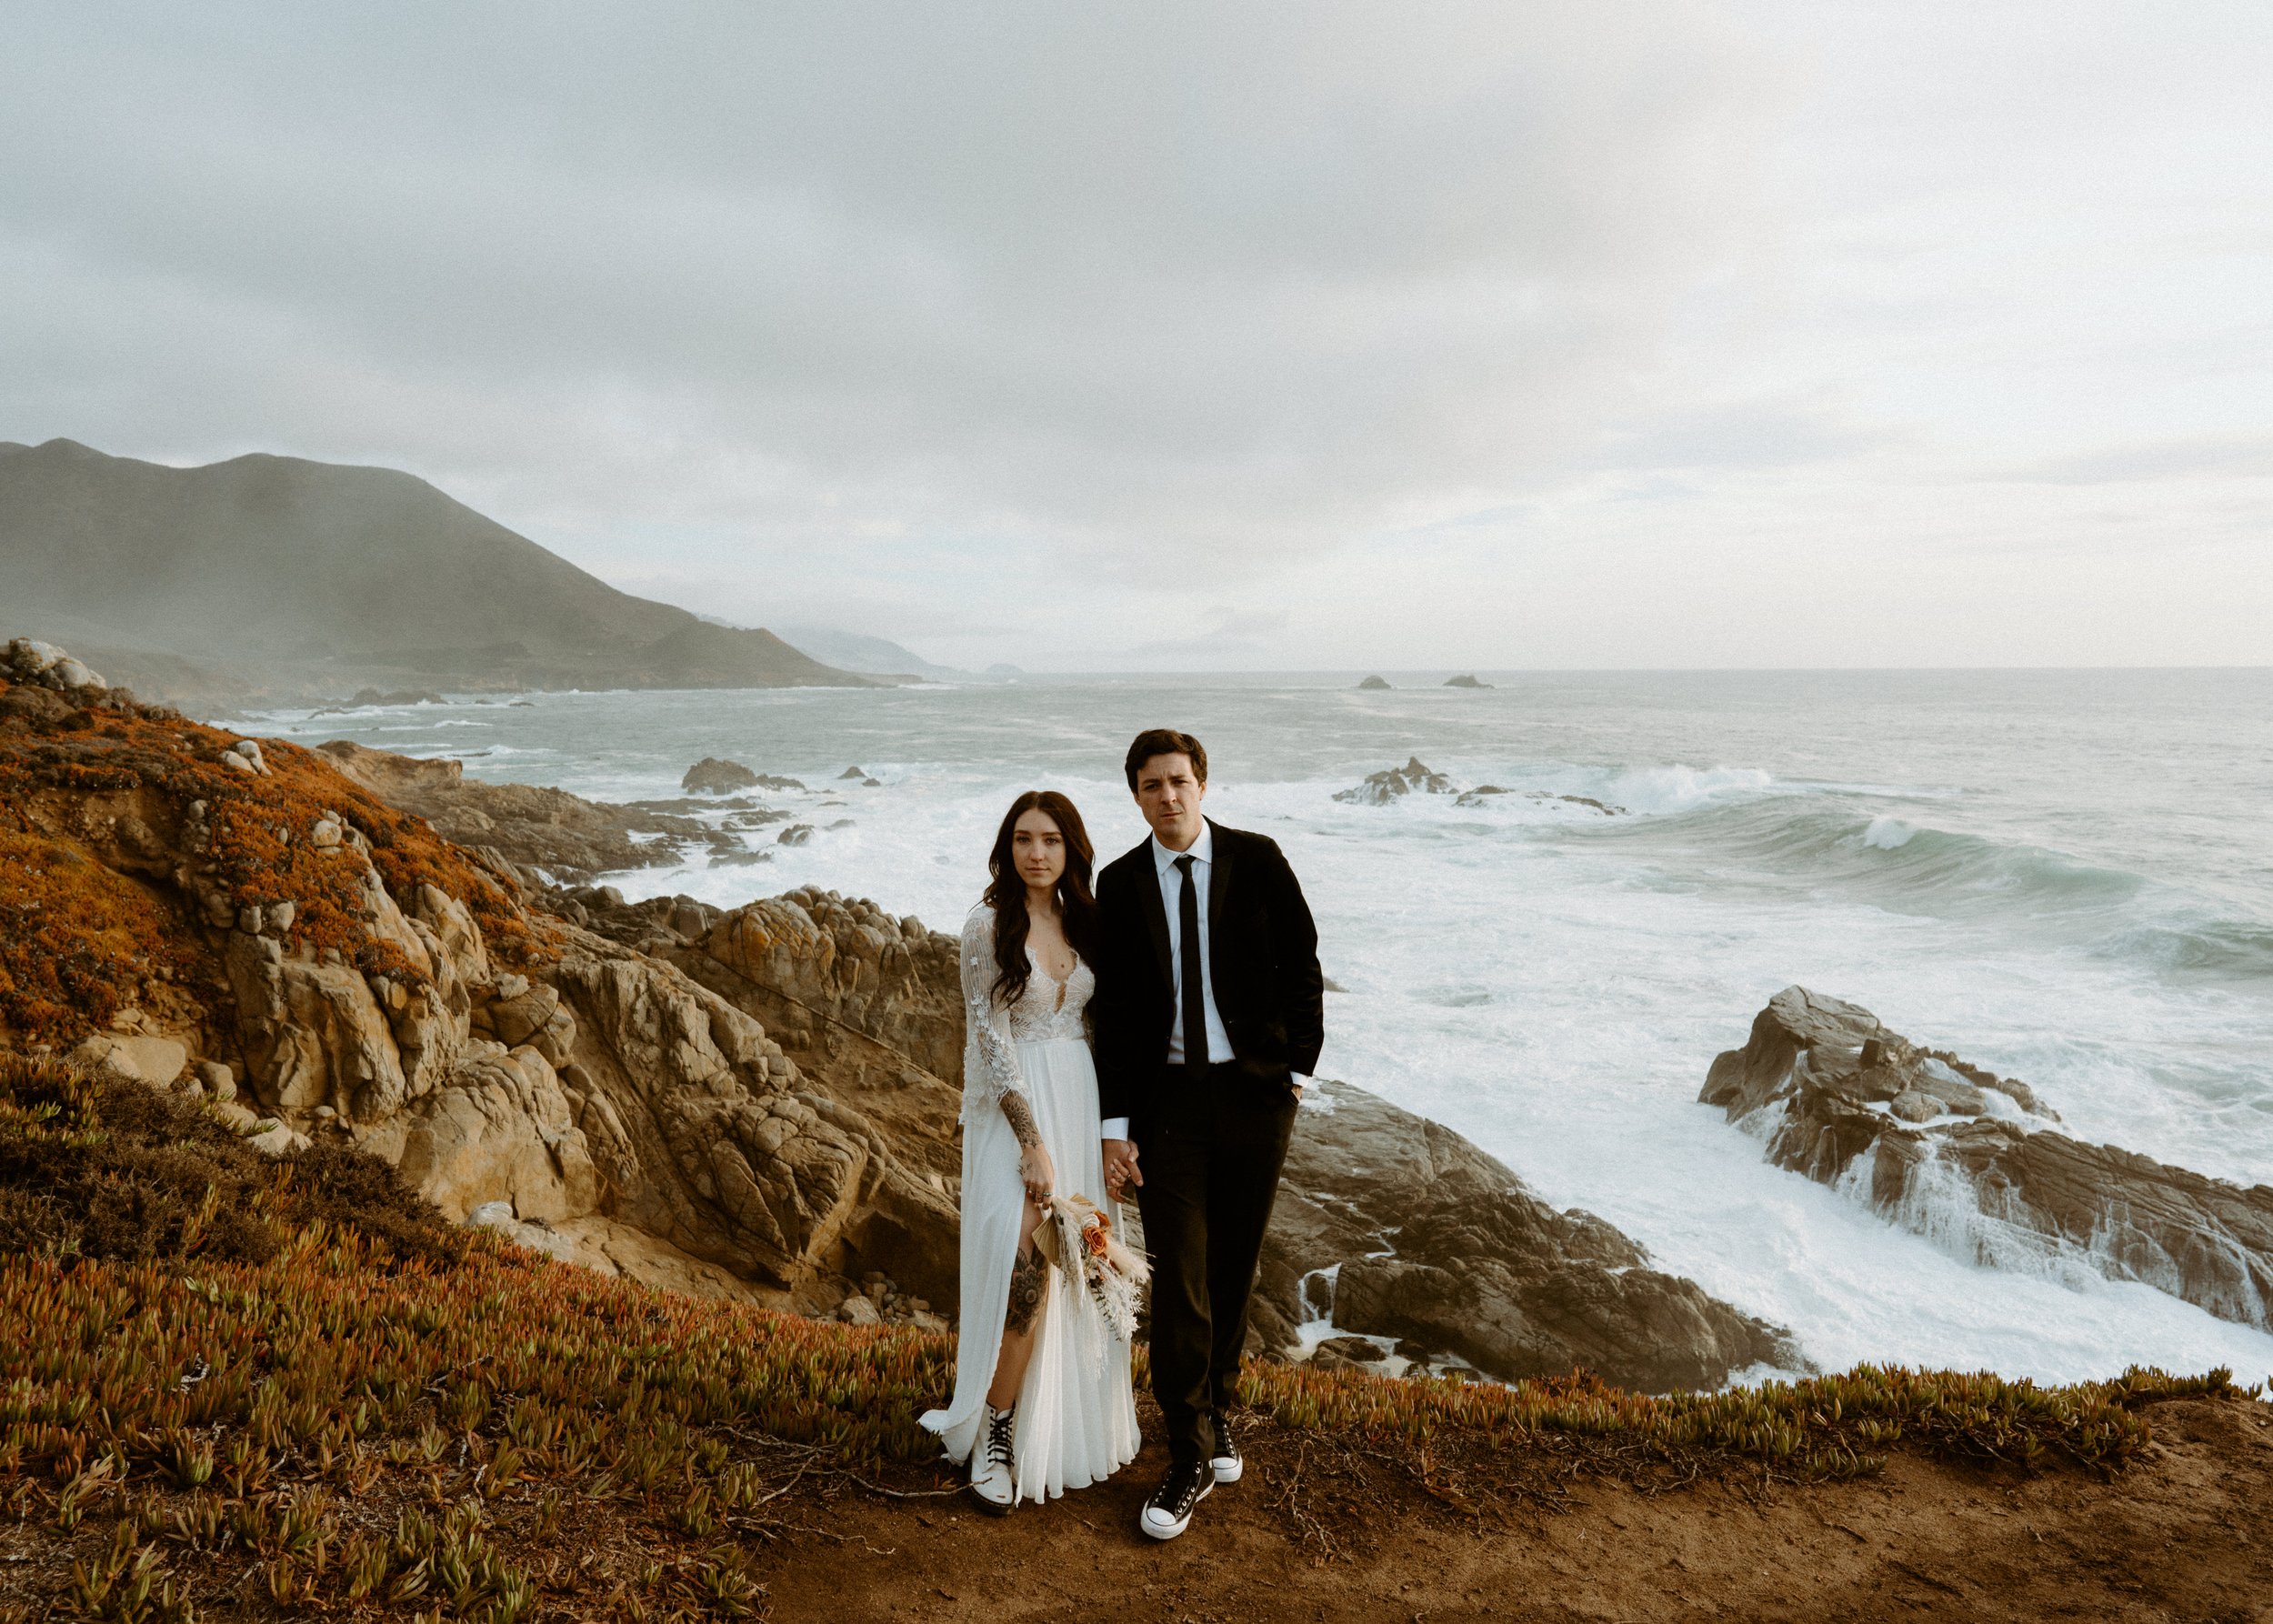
{"x": 343, "y": 1427}
{"x": 320, "y": 1429}
{"x": 1826, "y": 1427}
{"x": 78, "y": 939}
{"x": 94, "y": 1166}
{"x": 393, "y": 1418}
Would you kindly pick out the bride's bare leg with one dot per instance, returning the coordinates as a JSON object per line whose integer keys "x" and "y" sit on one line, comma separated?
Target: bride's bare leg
{"x": 1030, "y": 1274}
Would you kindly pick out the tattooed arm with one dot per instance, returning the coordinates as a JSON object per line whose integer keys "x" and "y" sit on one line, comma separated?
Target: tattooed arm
{"x": 1035, "y": 1170}
{"x": 1021, "y": 1118}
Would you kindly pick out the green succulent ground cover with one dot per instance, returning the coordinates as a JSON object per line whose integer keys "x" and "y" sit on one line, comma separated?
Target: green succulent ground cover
{"x": 297, "y": 1414}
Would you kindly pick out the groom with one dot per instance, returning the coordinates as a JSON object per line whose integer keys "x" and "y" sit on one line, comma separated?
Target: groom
{"x": 1209, "y": 1011}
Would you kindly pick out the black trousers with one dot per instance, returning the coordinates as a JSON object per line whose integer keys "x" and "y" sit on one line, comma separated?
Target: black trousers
{"x": 1210, "y": 1148}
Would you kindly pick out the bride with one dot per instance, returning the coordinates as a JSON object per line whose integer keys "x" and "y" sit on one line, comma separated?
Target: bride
{"x": 1042, "y": 1397}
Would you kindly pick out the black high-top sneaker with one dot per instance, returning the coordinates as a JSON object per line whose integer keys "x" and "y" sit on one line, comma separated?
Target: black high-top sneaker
{"x": 1169, "y": 1511}
{"x": 1223, "y": 1458}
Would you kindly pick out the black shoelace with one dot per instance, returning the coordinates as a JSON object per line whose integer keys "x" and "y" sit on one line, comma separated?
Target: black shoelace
{"x": 1180, "y": 1493}
{"x": 998, "y": 1439}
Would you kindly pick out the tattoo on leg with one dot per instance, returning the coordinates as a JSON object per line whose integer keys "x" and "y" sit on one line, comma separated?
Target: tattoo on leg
{"x": 1027, "y": 1278}
{"x": 1021, "y": 1119}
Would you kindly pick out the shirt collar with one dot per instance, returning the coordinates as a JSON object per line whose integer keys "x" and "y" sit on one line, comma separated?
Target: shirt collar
{"x": 1203, "y": 849}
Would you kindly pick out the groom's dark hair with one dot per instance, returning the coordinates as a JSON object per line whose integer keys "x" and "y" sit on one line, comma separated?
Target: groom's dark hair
{"x": 1164, "y": 741}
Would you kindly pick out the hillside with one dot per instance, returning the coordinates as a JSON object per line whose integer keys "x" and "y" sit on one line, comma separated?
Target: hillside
{"x": 276, "y": 575}
{"x": 879, "y": 656}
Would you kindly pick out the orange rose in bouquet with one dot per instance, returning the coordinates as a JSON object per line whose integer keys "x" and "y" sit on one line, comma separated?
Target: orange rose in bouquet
{"x": 1113, "y": 1273}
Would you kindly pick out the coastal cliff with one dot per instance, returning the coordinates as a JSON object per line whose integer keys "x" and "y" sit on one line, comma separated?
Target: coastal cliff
{"x": 244, "y": 921}
{"x": 283, "y": 1073}
{"x": 758, "y": 1103}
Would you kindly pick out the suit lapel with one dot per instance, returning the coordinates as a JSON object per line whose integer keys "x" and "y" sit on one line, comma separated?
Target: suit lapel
{"x": 1156, "y": 912}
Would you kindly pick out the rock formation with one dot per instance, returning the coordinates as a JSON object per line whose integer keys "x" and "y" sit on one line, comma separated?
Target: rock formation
{"x": 760, "y": 1102}
{"x": 1401, "y": 1228}
{"x": 565, "y": 837}
{"x": 1372, "y": 685}
{"x": 169, "y": 916}
{"x": 1396, "y": 1225}
{"x": 1951, "y": 1150}
{"x": 714, "y": 775}
{"x": 1482, "y": 793}
{"x": 1465, "y": 681}
{"x": 39, "y": 665}
{"x": 1382, "y": 787}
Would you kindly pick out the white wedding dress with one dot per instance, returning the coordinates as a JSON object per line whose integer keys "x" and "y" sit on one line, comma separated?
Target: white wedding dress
{"x": 1077, "y": 1415}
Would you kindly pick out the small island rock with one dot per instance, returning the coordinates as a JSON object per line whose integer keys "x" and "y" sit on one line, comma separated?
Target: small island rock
{"x": 1382, "y": 787}
{"x": 712, "y": 775}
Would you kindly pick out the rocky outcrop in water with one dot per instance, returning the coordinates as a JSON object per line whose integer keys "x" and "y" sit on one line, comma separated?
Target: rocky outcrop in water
{"x": 1395, "y": 783}
{"x": 1374, "y": 684}
{"x": 1952, "y": 1150}
{"x": 715, "y": 776}
{"x": 542, "y": 832}
{"x": 1416, "y": 777}
{"x": 1465, "y": 681}
{"x": 1402, "y": 1228}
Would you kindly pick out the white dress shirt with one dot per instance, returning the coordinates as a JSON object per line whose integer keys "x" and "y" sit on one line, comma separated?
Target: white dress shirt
{"x": 1218, "y": 1039}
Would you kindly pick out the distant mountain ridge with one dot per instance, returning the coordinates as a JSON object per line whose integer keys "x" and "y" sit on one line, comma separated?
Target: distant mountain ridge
{"x": 879, "y": 656}
{"x": 273, "y": 576}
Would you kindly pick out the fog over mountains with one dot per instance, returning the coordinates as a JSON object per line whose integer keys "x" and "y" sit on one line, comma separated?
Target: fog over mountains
{"x": 266, "y": 576}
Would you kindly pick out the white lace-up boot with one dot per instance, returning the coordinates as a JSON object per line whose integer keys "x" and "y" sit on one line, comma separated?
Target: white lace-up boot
{"x": 994, "y": 1484}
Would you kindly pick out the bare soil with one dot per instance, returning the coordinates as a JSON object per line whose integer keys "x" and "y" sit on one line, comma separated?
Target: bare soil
{"x": 2186, "y": 1534}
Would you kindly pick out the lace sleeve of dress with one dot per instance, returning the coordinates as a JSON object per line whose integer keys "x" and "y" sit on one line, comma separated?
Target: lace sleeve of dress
{"x": 990, "y": 1055}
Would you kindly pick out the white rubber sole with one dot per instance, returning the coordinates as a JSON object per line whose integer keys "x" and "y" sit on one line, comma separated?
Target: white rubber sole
{"x": 1227, "y": 1471}
{"x": 1164, "y": 1529}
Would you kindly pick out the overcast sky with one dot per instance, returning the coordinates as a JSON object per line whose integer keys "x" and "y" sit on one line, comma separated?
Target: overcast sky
{"x": 1222, "y": 335}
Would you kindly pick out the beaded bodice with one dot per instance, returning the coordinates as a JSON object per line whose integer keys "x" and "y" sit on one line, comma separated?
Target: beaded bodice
{"x": 1048, "y": 1011}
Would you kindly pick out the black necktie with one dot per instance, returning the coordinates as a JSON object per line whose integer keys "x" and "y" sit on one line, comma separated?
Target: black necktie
{"x": 1194, "y": 993}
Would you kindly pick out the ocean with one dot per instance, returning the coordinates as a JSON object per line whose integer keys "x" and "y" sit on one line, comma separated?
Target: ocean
{"x": 2066, "y": 876}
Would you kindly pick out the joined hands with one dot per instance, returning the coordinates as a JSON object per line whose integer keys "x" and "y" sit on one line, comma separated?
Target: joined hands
{"x": 1121, "y": 1173}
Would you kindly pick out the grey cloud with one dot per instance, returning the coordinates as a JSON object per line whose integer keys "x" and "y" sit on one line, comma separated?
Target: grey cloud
{"x": 1124, "y": 279}
{"x": 2233, "y": 456}
{"x": 1225, "y": 634}
{"x": 1752, "y": 435}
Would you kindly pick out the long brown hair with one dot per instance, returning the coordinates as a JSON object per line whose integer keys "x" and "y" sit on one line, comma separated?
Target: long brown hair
{"x": 1005, "y": 891}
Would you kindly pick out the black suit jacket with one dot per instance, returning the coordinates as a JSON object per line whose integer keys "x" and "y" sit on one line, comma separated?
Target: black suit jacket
{"x": 1262, "y": 958}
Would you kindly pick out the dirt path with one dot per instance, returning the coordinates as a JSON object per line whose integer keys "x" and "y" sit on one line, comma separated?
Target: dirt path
{"x": 2186, "y": 1535}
